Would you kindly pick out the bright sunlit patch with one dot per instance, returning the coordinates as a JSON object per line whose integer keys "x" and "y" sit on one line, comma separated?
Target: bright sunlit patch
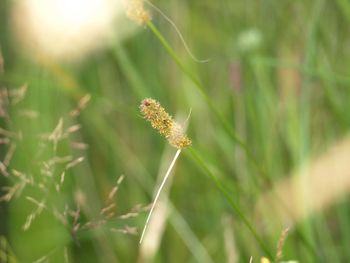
{"x": 64, "y": 29}
{"x": 322, "y": 183}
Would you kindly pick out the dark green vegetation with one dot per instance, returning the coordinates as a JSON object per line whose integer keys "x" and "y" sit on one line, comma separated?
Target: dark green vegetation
{"x": 274, "y": 95}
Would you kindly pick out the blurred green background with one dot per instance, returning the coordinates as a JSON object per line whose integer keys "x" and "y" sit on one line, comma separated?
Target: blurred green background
{"x": 277, "y": 76}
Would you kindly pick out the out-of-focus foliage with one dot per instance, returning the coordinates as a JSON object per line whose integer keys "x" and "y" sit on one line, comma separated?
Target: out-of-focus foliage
{"x": 79, "y": 164}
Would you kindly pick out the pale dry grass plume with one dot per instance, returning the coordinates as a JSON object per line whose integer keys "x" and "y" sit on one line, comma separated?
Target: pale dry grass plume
{"x": 318, "y": 185}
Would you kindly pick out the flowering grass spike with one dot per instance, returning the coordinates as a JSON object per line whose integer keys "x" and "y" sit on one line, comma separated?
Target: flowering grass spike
{"x": 164, "y": 123}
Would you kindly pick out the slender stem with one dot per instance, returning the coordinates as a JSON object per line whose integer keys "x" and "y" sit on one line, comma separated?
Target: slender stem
{"x": 158, "y": 192}
{"x": 197, "y": 84}
{"x": 229, "y": 199}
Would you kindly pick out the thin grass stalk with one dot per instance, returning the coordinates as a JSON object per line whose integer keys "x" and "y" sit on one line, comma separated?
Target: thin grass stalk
{"x": 199, "y": 87}
{"x": 159, "y": 191}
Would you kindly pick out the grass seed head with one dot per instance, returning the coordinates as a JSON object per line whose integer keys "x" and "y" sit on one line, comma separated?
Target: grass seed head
{"x": 164, "y": 123}
{"x": 135, "y": 11}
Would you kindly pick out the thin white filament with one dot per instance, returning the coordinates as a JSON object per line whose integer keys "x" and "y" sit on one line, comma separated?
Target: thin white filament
{"x": 179, "y": 34}
{"x": 159, "y": 191}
